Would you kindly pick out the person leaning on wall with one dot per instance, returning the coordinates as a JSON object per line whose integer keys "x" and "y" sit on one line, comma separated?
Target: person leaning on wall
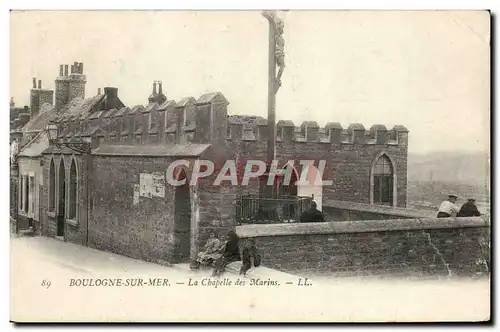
{"x": 469, "y": 209}
{"x": 312, "y": 214}
{"x": 448, "y": 207}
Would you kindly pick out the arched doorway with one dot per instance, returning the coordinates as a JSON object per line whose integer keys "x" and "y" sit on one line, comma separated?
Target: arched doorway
{"x": 312, "y": 186}
{"x": 61, "y": 212}
{"x": 182, "y": 219}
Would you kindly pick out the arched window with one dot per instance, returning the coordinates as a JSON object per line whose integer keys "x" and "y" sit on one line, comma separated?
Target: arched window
{"x": 52, "y": 186}
{"x": 72, "y": 190}
{"x": 383, "y": 181}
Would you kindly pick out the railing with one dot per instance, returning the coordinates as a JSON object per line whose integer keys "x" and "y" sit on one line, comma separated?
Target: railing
{"x": 260, "y": 210}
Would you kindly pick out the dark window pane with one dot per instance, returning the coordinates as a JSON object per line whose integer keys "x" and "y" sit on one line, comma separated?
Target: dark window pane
{"x": 376, "y": 190}
{"x": 383, "y": 181}
{"x": 385, "y": 189}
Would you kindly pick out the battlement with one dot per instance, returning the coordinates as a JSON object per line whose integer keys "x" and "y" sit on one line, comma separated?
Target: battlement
{"x": 255, "y": 129}
{"x": 205, "y": 120}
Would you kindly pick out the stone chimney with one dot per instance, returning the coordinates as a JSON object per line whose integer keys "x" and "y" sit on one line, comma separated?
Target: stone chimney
{"x": 98, "y": 91}
{"x": 111, "y": 98}
{"x": 157, "y": 97}
{"x": 77, "y": 81}
{"x": 34, "y": 82}
{"x": 39, "y": 84}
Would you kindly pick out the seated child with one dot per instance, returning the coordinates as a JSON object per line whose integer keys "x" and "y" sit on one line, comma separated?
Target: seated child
{"x": 230, "y": 253}
{"x": 210, "y": 252}
{"x": 250, "y": 256}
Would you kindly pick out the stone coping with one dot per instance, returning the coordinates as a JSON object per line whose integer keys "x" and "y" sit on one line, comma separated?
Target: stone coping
{"x": 357, "y": 226}
{"x": 380, "y": 209}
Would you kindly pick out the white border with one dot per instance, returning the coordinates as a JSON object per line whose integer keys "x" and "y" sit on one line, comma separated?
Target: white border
{"x": 149, "y": 4}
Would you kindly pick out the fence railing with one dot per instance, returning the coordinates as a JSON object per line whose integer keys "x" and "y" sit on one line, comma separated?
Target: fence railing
{"x": 252, "y": 209}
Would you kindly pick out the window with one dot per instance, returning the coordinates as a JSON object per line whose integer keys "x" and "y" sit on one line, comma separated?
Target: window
{"x": 25, "y": 193}
{"x": 20, "y": 192}
{"x": 383, "y": 181}
{"x": 31, "y": 198}
{"x": 72, "y": 190}
{"x": 52, "y": 186}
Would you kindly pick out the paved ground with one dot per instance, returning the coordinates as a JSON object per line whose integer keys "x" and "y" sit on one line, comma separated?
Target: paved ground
{"x": 37, "y": 259}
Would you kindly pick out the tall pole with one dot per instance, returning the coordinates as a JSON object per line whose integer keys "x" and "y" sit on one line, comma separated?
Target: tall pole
{"x": 271, "y": 95}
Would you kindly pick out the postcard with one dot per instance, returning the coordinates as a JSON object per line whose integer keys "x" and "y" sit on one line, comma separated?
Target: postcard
{"x": 250, "y": 166}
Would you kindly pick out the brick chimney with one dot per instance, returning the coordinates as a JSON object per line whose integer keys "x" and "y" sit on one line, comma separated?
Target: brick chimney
{"x": 38, "y": 97}
{"x": 62, "y": 88}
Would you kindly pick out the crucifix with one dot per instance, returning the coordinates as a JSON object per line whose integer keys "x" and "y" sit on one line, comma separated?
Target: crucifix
{"x": 276, "y": 59}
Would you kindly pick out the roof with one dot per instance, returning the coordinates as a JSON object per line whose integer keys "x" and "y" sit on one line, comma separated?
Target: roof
{"x": 61, "y": 150}
{"x": 150, "y": 107}
{"x": 400, "y": 128}
{"x": 109, "y": 113}
{"x": 79, "y": 107}
{"x": 36, "y": 146}
{"x": 212, "y": 97}
{"x": 184, "y": 101}
{"x": 356, "y": 126}
{"x": 285, "y": 123}
{"x": 310, "y": 124}
{"x": 378, "y": 127}
{"x": 157, "y": 150}
{"x": 333, "y": 125}
{"x": 121, "y": 111}
{"x": 42, "y": 119}
{"x": 166, "y": 104}
{"x": 134, "y": 109}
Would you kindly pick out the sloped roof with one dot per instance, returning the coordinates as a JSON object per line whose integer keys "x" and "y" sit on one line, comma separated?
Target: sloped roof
{"x": 42, "y": 119}
{"x": 150, "y": 107}
{"x": 184, "y": 101}
{"x": 61, "y": 150}
{"x": 80, "y": 106}
{"x": 166, "y": 104}
{"x": 157, "y": 150}
{"x": 36, "y": 146}
{"x": 121, "y": 111}
{"x": 212, "y": 97}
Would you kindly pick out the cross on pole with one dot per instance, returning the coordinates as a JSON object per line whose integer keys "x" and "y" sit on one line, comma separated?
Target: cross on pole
{"x": 276, "y": 59}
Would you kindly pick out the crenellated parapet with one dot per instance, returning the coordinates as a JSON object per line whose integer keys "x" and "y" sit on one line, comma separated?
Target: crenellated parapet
{"x": 255, "y": 129}
{"x": 205, "y": 120}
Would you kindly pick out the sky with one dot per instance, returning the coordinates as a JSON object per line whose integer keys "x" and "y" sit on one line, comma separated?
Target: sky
{"x": 427, "y": 70}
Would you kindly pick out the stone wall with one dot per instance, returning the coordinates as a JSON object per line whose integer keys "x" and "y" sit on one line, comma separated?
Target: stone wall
{"x": 344, "y": 211}
{"x": 348, "y": 166}
{"x": 398, "y": 247}
{"x": 138, "y": 227}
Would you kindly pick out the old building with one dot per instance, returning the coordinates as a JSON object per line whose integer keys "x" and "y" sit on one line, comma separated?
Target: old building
{"x": 114, "y": 195}
{"x": 70, "y": 101}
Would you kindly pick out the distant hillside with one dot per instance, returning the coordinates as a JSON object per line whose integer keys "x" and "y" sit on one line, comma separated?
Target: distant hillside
{"x": 459, "y": 167}
{"x": 432, "y": 177}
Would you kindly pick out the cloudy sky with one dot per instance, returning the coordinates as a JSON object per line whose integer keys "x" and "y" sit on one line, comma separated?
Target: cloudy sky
{"x": 426, "y": 70}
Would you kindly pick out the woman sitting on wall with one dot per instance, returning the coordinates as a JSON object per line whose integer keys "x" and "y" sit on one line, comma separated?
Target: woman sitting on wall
{"x": 230, "y": 253}
{"x": 210, "y": 253}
